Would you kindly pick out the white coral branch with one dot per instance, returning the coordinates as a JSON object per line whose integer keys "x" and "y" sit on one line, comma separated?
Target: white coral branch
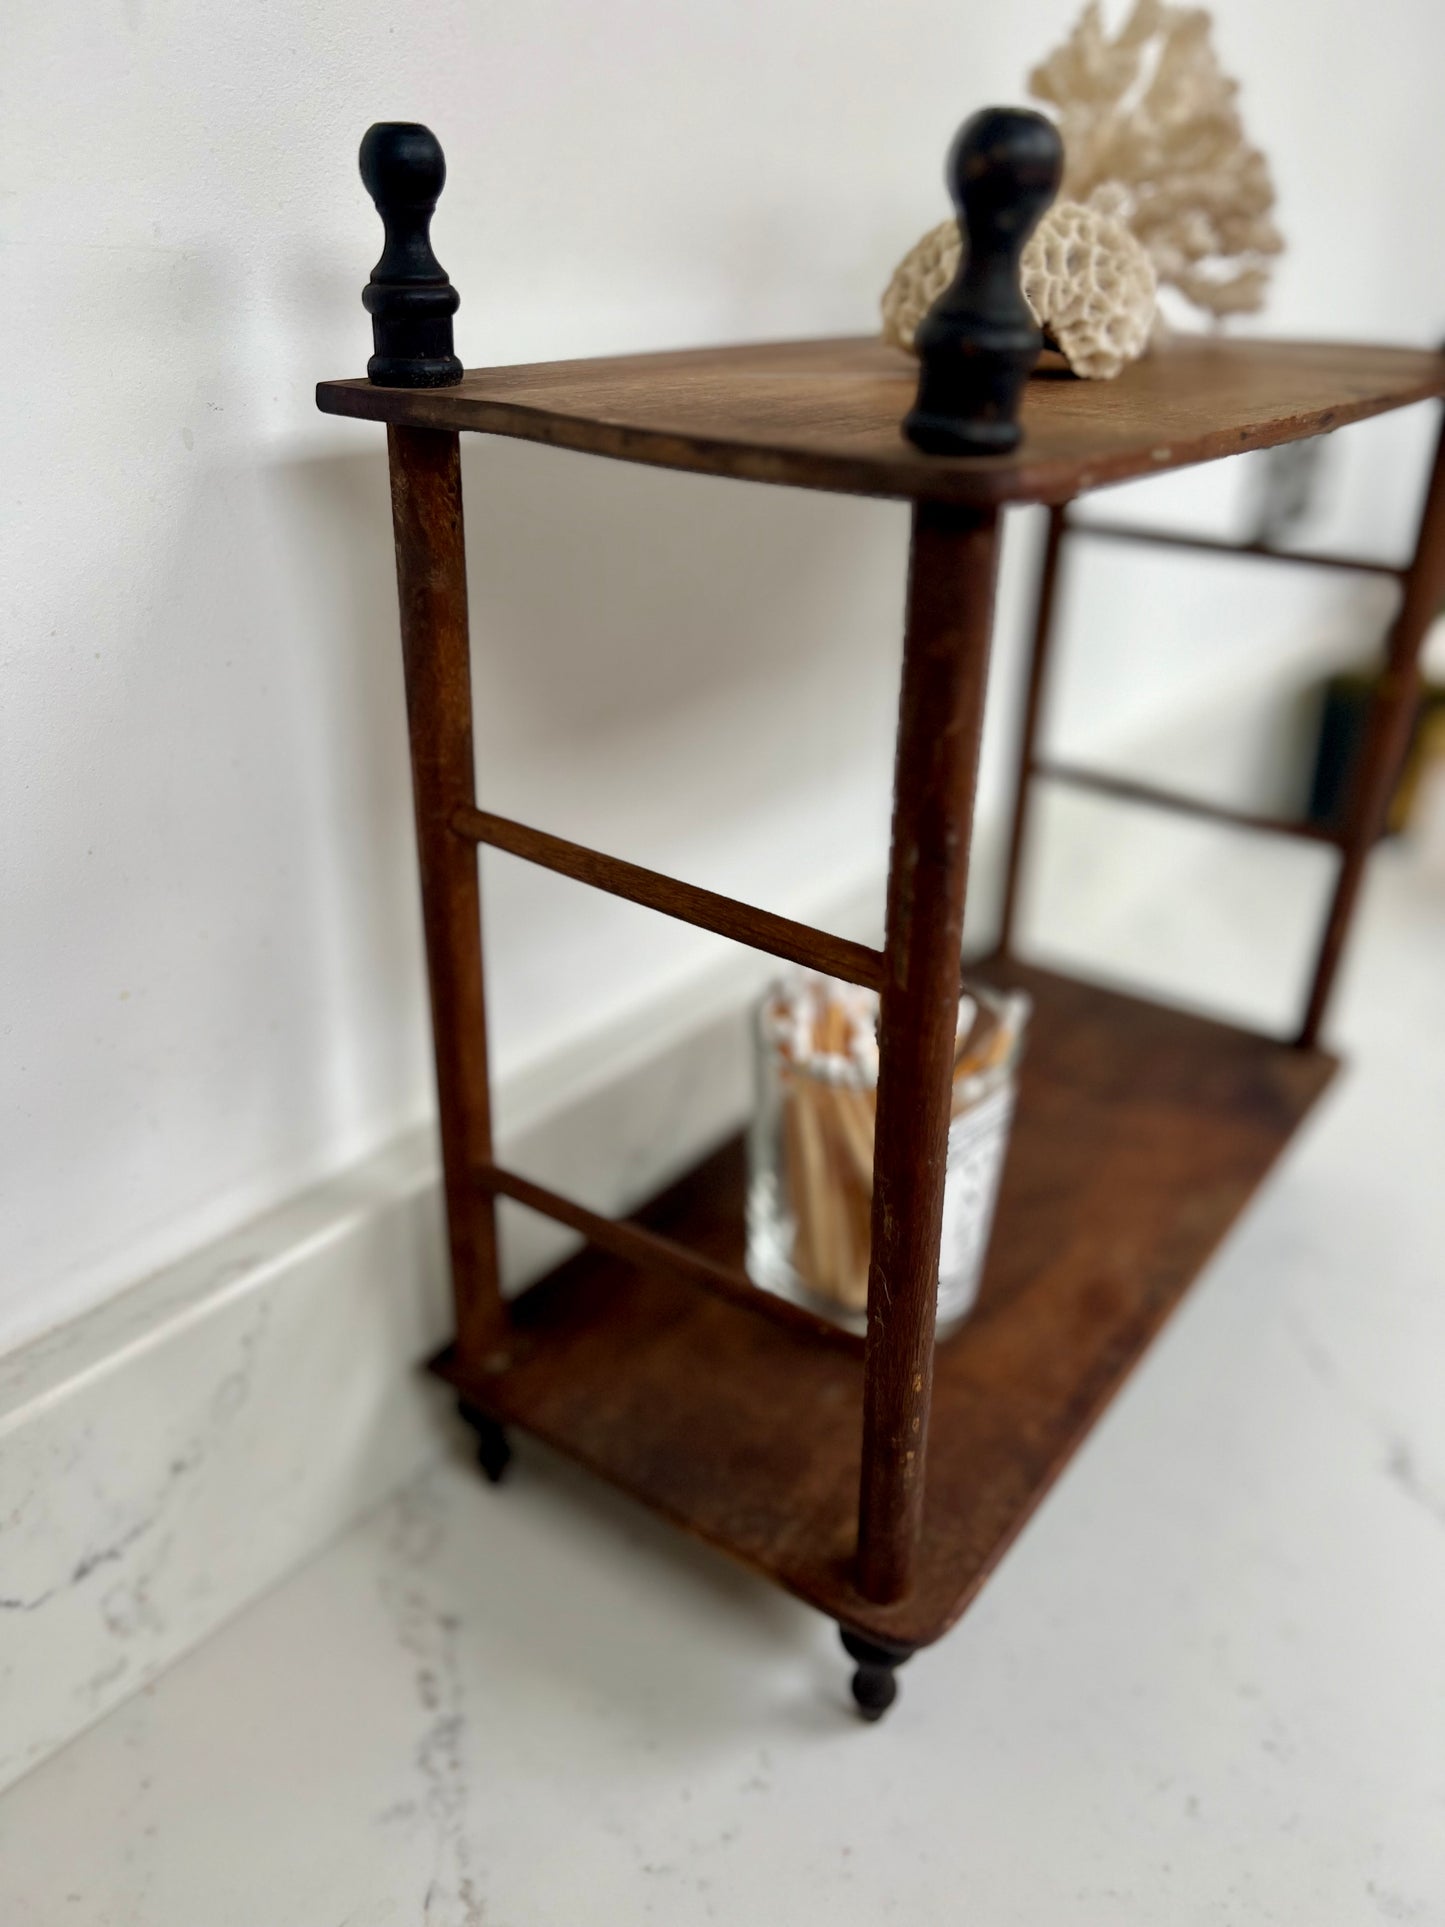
{"x": 1151, "y": 129}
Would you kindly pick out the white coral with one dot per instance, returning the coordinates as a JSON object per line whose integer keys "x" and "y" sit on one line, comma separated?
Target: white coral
{"x": 1088, "y": 282}
{"x": 1152, "y": 131}
{"x": 918, "y": 280}
{"x": 1091, "y": 286}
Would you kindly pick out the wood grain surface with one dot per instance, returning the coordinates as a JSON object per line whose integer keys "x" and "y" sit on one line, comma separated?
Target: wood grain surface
{"x": 1140, "y": 1135}
{"x": 953, "y": 563}
{"x": 828, "y": 414}
{"x": 431, "y": 582}
{"x": 800, "y": 943}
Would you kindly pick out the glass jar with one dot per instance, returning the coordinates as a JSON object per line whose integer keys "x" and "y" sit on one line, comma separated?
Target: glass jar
{"x": 810, "y": 1146}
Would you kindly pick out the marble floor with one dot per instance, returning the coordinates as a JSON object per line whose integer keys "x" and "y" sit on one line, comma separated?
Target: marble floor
{"x": 1207, "y": 1685}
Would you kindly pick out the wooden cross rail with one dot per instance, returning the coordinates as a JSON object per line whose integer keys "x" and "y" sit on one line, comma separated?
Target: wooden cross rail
{"x": 1125, "y": 791}
{"x": 799, "y": 943}
{"x": 637, "y": 1245}
{"x": 1216, "y": 545}
{"x": 1392, "y": 717}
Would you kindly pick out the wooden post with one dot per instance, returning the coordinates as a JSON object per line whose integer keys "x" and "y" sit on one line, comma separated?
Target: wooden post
{"x": 1387, "y": 738}
{"x": 1045, "y": 600}
{"x": 945, "y": 668}
{"x": 431, "y": 579}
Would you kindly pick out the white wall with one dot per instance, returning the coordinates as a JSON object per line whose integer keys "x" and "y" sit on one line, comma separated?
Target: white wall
{"x": 210, "y": 969}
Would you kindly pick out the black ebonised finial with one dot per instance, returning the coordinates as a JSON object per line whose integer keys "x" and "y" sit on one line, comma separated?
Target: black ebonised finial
{"x": 409, "y": 299}
{"x": 978, "y": 341}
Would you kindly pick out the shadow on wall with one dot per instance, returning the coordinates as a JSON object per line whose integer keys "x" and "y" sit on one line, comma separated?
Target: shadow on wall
{"x": 612, "y": 604}
{"x": 687, "y": 672}
{"x": 738, "y": 639}
{"x": 218, "y": 980}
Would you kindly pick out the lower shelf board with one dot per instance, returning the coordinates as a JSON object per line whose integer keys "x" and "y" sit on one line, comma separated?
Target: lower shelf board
{"x": 1141, "y": 1133}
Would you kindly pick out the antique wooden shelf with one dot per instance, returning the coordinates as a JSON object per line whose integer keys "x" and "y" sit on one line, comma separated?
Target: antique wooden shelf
{"x": 881, "y": 1479}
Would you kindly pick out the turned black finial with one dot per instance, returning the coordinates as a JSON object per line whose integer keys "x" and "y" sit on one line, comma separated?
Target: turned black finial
{"x": 409, "y": 299}
{"x": 978, "y": 341}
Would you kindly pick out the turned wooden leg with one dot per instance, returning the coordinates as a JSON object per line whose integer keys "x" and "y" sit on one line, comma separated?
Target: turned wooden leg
{"x": 874, "y": 1685}
{"x": 494, "y": 1454}
{"x": 431, "y": 576}
{"x": 940, "y": 720}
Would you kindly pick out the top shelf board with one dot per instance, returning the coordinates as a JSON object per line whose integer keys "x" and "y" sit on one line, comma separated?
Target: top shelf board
{"x": 827, "y": 414}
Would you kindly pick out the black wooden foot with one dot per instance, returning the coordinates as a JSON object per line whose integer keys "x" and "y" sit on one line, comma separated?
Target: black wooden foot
{"x": 494, "y": 1454}
{"x": 874, "y": 1685}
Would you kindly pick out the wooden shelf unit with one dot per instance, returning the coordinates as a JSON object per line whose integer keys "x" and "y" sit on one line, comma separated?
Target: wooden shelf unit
{"x": 877, "y": 1480}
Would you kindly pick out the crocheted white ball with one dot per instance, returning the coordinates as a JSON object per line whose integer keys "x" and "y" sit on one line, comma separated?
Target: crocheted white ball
{"x": 1089, "y": 283}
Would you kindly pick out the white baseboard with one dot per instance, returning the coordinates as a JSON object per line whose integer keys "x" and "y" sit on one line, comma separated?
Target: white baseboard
{"x": 167, "y": 1457}
{"x": 171, "y": 1454}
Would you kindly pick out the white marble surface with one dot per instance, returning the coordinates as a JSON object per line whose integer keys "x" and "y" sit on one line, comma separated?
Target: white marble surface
{"x": 1207, "y": 1685}
{"x": 170, "y": 1455}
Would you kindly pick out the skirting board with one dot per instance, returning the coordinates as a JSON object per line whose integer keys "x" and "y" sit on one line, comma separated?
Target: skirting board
{"x": 167, "y": 1457}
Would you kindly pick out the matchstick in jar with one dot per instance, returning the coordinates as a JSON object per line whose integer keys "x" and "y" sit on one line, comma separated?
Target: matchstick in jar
{"x": 811, "y": 1189}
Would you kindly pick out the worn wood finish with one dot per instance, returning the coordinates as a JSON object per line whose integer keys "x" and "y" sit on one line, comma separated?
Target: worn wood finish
{"x": 639, "y": 1246}
{"x": 1141, "y": 1133}
{"x": 1045, "y": 602}
{"x": 798, "y": 942}
{"x": 826, "y": 414}
{"x": 1122, "y": 790}
{"x": 952, "y": 565}
{"x": 1215, "y": 545}
{"x": 1387, "y": 740}
{"x": 431, "y": 576}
